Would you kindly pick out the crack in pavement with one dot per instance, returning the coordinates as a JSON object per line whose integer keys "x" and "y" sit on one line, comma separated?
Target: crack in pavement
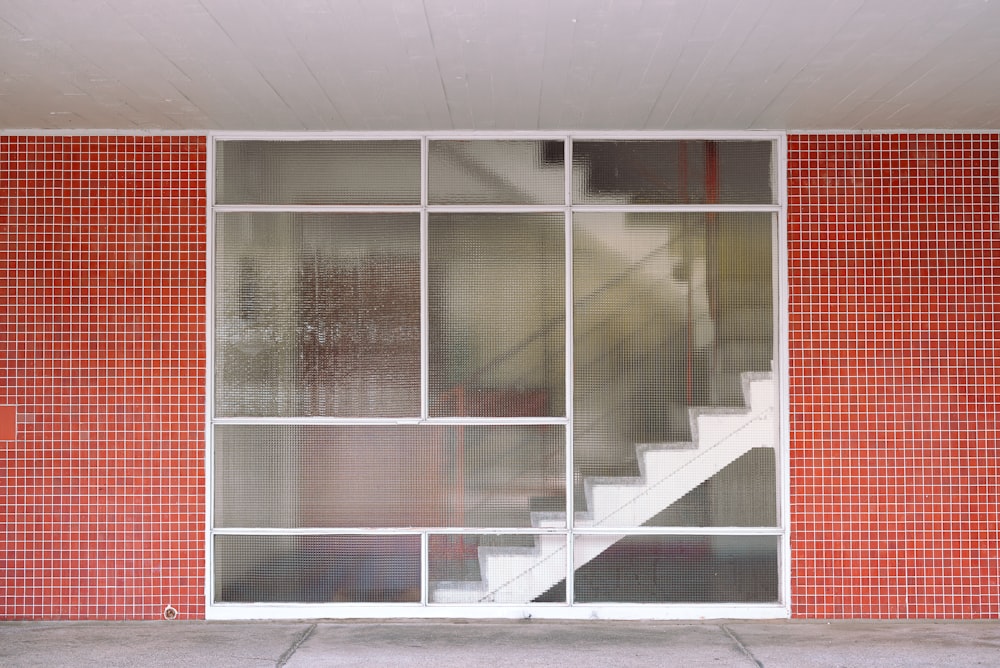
{"x": 284, "y": 658}
{"x": 743, "y": 648}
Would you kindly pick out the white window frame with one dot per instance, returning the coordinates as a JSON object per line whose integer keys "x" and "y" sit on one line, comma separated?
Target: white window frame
{"x": 652, "y": 611}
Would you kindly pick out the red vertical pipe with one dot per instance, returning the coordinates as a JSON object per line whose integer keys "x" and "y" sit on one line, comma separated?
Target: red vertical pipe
{"x": 682, "y": 168}
{"x": 711, "y": 174}
{"x": 711, "y": 197}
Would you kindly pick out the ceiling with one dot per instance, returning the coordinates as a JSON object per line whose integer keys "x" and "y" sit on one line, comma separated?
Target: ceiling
{"x": 371, "y": 65}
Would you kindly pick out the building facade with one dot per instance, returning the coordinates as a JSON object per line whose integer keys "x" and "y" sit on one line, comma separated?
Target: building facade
{"x": 117, "y": 426}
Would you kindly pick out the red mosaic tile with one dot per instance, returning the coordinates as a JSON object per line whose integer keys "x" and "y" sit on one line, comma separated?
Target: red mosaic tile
{"x": 103, "y": 335}
{"x": 893, "y": 242}
{"x": 893, "y": 248}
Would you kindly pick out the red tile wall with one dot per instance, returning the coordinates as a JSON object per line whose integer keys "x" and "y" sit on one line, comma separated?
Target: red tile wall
{"x": 894, "y": 284}
{"x": 102, "y": 287}
{"x": 894, "y": 242}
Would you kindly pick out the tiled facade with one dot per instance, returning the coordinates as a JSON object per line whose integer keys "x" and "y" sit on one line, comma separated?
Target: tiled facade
{"x": 894, "y": 266}
{"x": 893, "y": 248}
{"x": 103, "y": 290}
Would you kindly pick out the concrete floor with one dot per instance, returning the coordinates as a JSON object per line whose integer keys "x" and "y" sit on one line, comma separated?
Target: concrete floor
{"x": 440, "y": 644}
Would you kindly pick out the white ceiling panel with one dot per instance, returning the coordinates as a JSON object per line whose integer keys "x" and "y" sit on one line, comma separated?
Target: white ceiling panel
{"x": 373, "y": 65}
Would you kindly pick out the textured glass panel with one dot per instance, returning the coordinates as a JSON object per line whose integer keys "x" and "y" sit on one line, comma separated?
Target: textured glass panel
{"x": 317, "y": 172}
{"x": 673, "y": 172}
{"x": 317, "y": 569}
{"x": 670, "y": 310}
{"x": 512, "y": 475}
{"x": 497, "y": 315}
{"x": 675, "y": 569}
{"x": 388, "y": 475}
{"x": 496, "y": 172}
{"x": 483, "y": 568}
{"x": 740, "y": 495}
{"x": 317, "y": 314}
{"x": 335, "y": 476}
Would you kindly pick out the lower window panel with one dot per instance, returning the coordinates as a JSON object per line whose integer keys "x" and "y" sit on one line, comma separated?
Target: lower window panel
{"x": 674, "y": 569}
{"x": 494, "y": 568}
{"x": 317, "y": 569}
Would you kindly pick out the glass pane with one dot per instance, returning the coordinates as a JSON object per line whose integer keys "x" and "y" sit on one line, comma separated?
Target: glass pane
{"x": 497, "y": 315}
{"x": 670, "y": 310}
{"x": 740, "y": 495}
{"x": 674, "y": 569}
{"x": 465, "y": 569}
{"x": 388, "y": 475}
{"x": 496, "y": 172}
{"x": 513, "y": 475}
{"x": 673, "y": 172}
{"x": 317, "y": 314}
{"x": 317, "y": 172}
{"x": 317, "y": 569}
{"x": 333, "y": 475}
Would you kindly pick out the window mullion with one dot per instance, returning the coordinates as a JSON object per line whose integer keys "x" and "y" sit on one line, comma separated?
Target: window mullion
{"x": 424, "y": 299}
{"x": 568, "y": 261}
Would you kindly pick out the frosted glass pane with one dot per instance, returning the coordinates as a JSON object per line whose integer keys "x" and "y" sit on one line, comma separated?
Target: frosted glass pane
{"x": 497, "y": 315}
{"x": 496, "y": 172}
{"x": 317, "y": 314}
{"x": 317, "y": 569}
{"x": 670, "y": 310}
{"x": 317, "y": 172}
{"x": 334, "y": 475}
{"x": 387, "y": 475}
{"x": 740, "y": 495}
{"x": 510, "y": 474}
{"x": 497, "y": 568}
{"x": 673, "y": 172}
{"x": 677, "y": 569}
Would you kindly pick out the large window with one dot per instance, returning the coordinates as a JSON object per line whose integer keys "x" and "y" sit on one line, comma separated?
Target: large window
{"x": 486, "y": 376}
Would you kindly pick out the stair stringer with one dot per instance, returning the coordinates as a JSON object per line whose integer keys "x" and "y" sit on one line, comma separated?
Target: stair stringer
{"x": 667, "y": 473}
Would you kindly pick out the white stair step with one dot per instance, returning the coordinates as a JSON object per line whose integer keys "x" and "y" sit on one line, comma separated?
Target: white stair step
{"x": 758, "y": 389}
{"x": 551, "y": 519}
{"x": 510, "y": 574}
{"x": 548, "y": 519}
{"x": 708, "y": 429}
{"x": 458, "y": 591}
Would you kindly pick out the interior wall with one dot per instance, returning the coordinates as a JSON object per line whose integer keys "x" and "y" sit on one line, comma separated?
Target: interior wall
{"x": 103, "y": 286}
{"x": 894, "y": 248}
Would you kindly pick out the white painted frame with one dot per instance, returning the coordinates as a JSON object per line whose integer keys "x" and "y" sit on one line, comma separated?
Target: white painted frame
{"x": 423, "y": 609}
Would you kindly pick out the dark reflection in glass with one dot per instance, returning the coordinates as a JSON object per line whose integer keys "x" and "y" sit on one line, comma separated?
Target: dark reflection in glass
{"x": 673, "y": 172}
{"x": 317, "y": 569}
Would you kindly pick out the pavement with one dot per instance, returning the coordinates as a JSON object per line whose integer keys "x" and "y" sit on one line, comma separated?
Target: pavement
{"x": 523, "y": 644}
